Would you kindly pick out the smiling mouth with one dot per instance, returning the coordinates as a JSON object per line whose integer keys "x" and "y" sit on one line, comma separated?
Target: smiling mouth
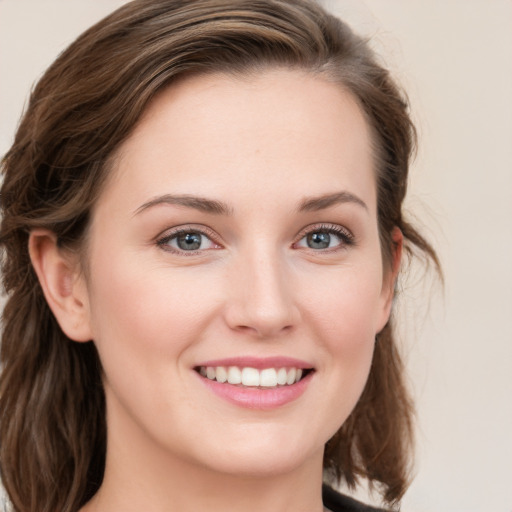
{"x": 266, "y": 378}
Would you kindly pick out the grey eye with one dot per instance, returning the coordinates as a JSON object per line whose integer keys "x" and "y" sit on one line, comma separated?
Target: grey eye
{"x": 318, "y": 240}
{"x": 189, "y": 241}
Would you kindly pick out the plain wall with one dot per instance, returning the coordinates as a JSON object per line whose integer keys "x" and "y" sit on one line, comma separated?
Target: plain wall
{"x": 454, "y": 58}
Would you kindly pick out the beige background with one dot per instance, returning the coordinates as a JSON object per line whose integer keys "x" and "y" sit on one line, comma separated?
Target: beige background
{"x": 454, "y": 57}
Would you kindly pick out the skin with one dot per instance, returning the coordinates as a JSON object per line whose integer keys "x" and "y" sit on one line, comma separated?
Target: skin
{"x": 262, "y": 146}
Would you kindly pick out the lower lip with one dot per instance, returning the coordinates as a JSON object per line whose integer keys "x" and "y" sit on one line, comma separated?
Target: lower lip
{"x": 257, "y": 398}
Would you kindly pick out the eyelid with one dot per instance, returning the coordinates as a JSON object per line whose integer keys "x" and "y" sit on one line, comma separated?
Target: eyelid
{"x": 346, "y": 236}
{"x": 344, "y": 233}
{"x": 163, "y": 238}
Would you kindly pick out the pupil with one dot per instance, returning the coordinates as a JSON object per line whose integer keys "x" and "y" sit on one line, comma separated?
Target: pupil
{"x": 189, "y": 241}
{"x": 319, "y": 240}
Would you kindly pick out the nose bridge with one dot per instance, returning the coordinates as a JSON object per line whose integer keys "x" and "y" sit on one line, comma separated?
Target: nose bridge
{"x": 261, "y": 298}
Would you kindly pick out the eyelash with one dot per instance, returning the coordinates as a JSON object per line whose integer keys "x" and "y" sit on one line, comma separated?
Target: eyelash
{"x": 346, "y": 238}
{"x": 163, "y": 241}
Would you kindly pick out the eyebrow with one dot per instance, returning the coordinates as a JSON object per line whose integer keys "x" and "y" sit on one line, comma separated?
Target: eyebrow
{"x": 213, "y": 206}
{"x": 198, "y": 203}
{"x": 313, "y": 204}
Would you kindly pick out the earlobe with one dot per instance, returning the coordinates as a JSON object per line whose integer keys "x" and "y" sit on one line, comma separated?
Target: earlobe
{"x": 391, "y": 275}
{"x": 398, "y": 242}
{"x": 63, "y": 285}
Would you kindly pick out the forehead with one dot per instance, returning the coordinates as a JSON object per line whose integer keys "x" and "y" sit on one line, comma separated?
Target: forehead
{"x": 218, "y": 134}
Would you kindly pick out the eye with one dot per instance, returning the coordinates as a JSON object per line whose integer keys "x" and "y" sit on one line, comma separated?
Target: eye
{"x": 187, "y": 240}
{"x": 325, "y": 237}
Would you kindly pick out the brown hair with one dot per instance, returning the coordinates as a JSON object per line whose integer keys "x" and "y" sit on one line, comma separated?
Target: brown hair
{"x": 52, "y": 406}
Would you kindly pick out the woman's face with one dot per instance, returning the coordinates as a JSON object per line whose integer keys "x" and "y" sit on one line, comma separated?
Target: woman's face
{"x": 238, "y": 238}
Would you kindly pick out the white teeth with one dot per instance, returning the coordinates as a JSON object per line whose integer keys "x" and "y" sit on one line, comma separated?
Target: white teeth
{"x": 292, "y": 372}
{"x": 234, "y": 375}
{"x": 251, "y": 377}
{"x": 282, "y": 376}
{"x": 268, "y": 378}
{"x": 221, "y": 375}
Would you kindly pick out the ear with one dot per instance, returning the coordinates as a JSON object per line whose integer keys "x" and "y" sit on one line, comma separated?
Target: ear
{"x": 63, "y": 284}
{"x": 391, "y": 275}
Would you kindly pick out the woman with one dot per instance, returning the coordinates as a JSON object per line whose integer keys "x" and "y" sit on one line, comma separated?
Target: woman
{"x": 202, "y": 226}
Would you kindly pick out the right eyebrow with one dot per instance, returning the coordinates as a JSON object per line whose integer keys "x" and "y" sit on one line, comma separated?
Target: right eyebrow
{"x": 202, "y": 204}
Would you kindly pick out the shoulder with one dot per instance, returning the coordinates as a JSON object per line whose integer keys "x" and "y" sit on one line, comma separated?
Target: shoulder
{"x": 337, "y": 502}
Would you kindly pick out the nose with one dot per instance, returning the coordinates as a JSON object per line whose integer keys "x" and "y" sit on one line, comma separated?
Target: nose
{"x": 261, "y": 301}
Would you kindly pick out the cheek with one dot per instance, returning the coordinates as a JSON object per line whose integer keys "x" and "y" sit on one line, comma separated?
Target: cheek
{"x": 349, "y": 334}
{"x": 349, "y": 308}
{"x": 150, "y": 308}
{"x": 143, "y": 327}
{"x": 345, "y": 316}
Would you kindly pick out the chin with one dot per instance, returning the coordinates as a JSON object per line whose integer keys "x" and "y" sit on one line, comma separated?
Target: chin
{"x": 258, "y": 466}
{"x": 270, "y": 456}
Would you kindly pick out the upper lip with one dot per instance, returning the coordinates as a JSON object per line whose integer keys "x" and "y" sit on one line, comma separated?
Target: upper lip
{"x": 259, "y": 363}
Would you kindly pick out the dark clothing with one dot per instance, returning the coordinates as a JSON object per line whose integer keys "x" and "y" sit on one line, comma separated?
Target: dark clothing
{"x": 337, "y": 502}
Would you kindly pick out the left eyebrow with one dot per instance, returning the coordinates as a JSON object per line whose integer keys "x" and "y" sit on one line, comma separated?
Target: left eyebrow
{"x": 313, "y": 204}
{"x": 195, "y": 202}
